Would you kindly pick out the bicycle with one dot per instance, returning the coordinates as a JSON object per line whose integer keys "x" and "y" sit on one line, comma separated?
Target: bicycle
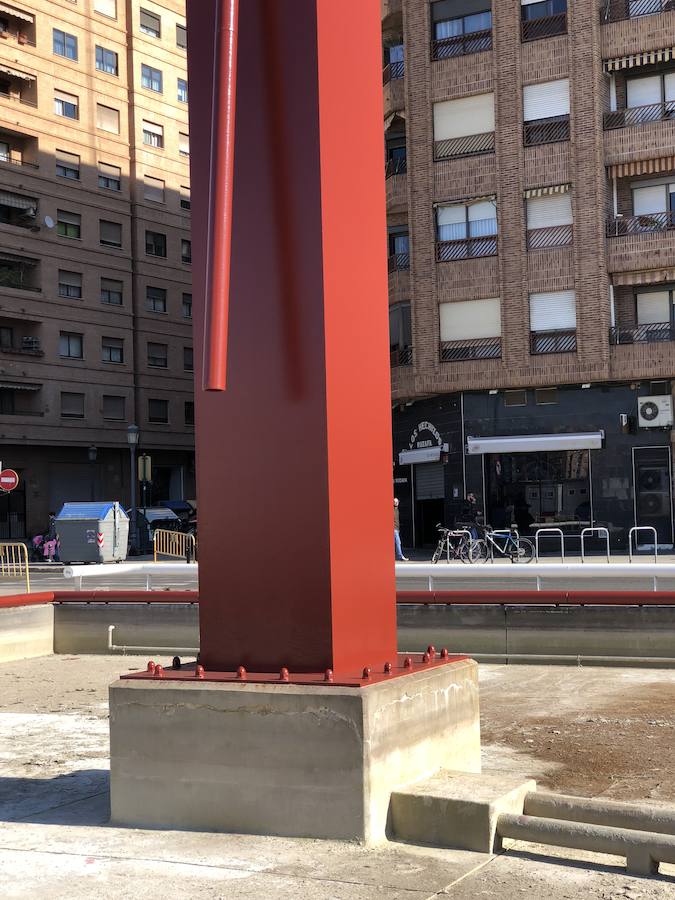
{"x": 453, "y": 545}
{"x": 508, "y": 544}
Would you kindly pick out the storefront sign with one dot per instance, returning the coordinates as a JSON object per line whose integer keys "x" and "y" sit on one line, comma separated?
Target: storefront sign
{"x": 419, "y": 444}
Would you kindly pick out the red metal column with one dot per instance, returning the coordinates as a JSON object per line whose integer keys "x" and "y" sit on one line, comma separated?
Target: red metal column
{"x": 294, "y": 458}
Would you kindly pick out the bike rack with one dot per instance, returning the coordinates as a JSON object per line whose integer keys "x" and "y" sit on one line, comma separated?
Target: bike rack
{"x": 600, "y": 529}
{"x": 458, "y": 533}
{"x": 557, "y": 531}
{"x": 636, "y": 528}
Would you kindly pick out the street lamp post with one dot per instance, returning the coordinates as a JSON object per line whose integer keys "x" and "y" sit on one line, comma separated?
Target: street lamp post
{"x": 132, "y": 439}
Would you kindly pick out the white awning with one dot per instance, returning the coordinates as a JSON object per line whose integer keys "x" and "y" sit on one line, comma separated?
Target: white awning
{"x": 16, "y": 13}
{"x": 17, "y": 73}
{"x": 547, "y": 191}
{"x": 426, "y": 454}
{"x": 649, "y": 57}
{"x": 14, "y": 386}
{"x": 532, "y": 443}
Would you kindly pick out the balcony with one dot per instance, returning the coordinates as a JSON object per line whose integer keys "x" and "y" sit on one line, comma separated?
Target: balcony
{"x": 461, "y": 45}
{"x": 400, "y": 356}
{"x": 553, "y": 342}
{"x": 478, "y": 348}
{"x": 466, "y": 248}
{"x": 18, "y": 86}
{"x": 19, "y": 273}
{"x": 555, "y": 236}
{"x": 644, "y": 224}
{"x": 639, "y": 115}
{"x": 396, "y": 184}
{"x": 392, "y": 71}
{"x": 17, "y": 25}
{"x": 19, "y": 339}
{"x": 471, "y": 145}
{"x": 548, "y": 26}
{"x": 619, "y": 10}
{"x": 546, "y": 131}
{"x": 398, "y": 262}
{"x": 654, "y": 333}
{"x": 18, "y": 210}
{"x": 17, "y": 149}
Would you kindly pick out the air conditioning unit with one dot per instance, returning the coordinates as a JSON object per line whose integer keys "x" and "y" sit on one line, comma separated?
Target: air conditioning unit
{"x": 655, "y": 412}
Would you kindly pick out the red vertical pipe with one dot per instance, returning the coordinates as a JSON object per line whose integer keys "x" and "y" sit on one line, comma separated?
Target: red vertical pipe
{"x": 225, "y": 94}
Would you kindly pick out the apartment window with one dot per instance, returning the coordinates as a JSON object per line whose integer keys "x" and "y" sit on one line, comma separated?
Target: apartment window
{"x": 158, "y": 355}
{"x": 181, "y": 37}
{"x": 113, "y": 407}
{"x": 515, "y": 398}
{"x": 112, "y": 350}
{"x": 461, "y": 28}
{"x": 155, "y": 299}
{"x": 64, "y": 44}
{"x": 188, "y": 359}
{"x": 70, "y": 345}
{"x": 399, "y": 249}
{"x": 466, "y": 230}
{"x": 66, "y": 105}
{"x": 106, "y": 8}
{"x": 464, "y": 127}
{"x": 151, "y": 79}
{"x": 72, "y": 405}
{"x": 153, "y": 135}
{"x": 186, "y": 251}
{"x": 184, "y": 197}
{"x": 650, "y": 90}
{"x": 109, "y": 177}
{"x": 158, "y": 412}
{"x": 107, "y": 61}
{"x": 187, "y": 306}
{"x": 111, "y": 291}
{"x": 549, "y": 217}
{"x": 546, "y": 112}
{"x": 67, "y": 165}
{"x": 189, "y": 412}
{"x": 471, "y": 329}
{"x": 182, "y": 91}
{"x": 107, "y": 118}
{"x": 7, "y": 402}
{"x": 6, "y": 338}
{"x": 184, "y": 144}
{"x": 545, "y": 396}
{"x": 151, "y": 24}
{"x": 553, "y": 322}
{"x": 68, "y": 224}
{"x": 400, "y": 335}
{"x": 5, "y": 152}
{"x": 153, "y": 189}
{"x": 110, "y": 233}
{"x": 70, "y": 284}
{"x": 155, "y": 244}
{"x": 543, "y": 18}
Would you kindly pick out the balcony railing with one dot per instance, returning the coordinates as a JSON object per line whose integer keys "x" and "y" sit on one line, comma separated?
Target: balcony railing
{"x": 618, "y": 10}
{"x": 398, "y": 262}
{"x": 546, "y": 131}
{"x": 548, "y": 26}
{"x": 640, "y": 224}
{"x": 17, "y": 35}
{"x": 466, "y": 248}
{"x": 16, "y": 161}
{"x": 397, "y": 166}
{"x": 471, "y": 145}
{"x": 654, "y": 333}
{"x": 553, "y": 342}
{"x": 14, "y": 278}
{"x": 461, "y": 45}
{"x": 477, "y": 348}
{"x": 392, "y": 71}
{"x": 555, "y": 236}
{"x": 401, "y": 356}
{"x": 639, "y": 115}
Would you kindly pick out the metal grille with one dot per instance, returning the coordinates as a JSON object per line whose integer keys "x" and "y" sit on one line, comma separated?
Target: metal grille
{"x": 640, "y": 224}
{"x": 617, "y": 10}
{"x": 654, "y": 333}
{"x": 479, "y": 348}
{"x": 465, "y": 146}
{"x": 401, "y": 356}
{"x": 553, "y": 342}
{"x": 393, "y": 71}
{"x": 556, "y": 236}
{"x": 546, "y": 131}
{"x": 468, "y": 248}
{"x": 548, "y": 26}
{"x": 461, "y": 45}
{"x": 639, "y": 115}
{"x": 397, "y": 166}
{"x": 398, "y": 261}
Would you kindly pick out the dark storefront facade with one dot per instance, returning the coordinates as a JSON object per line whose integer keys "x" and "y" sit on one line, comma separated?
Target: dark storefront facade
{"x": 567, "y": 458}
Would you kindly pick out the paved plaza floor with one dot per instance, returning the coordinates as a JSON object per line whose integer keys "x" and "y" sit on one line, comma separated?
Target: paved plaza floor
{"x": 607, "y": 732}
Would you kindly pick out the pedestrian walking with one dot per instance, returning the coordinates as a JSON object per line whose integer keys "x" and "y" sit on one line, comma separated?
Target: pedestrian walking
{"x": 398, "y": 552}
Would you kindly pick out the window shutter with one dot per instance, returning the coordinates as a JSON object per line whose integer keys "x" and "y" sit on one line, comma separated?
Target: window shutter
{"x": 72, "y": 159}
{"x": 66, "y": 98}
{"x": 482, "y": 218}
{"x": 553, "y": 311}
{"x": 152, "y": 128}
{"x": 543, "y": 101}
{"x": 73, "y": 279}
{"x": 649, "y": 200}
{"x": 653, "y": 308}
{"x": 451, "y": 222}
{"x": 184, "y": 143}
{"x": 107, "y": 7}
{"x": 669, "y": 86}
{"x": 113, "y": 407}
{"x": 107, "y": 119}
{"x": 464, "y": 117}
{"x": 153, "y": 189}
{"x": 150, "y": 21}
{"x": 68, "y": 218}
{"x": 643, "y": 91}
{"x": 547, "y": 212}
{"x": 470, "y": 319}
{"x": 72, "y": 404}
{"x": 111, "y": 233}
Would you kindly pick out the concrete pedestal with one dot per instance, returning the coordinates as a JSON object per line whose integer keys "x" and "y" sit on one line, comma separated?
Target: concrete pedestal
{"x": 284, "y": 759}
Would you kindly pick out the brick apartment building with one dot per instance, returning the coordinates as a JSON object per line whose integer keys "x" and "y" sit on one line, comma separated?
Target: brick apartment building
{"x": 95, "y": 295}
{"x": 530, "y": 169}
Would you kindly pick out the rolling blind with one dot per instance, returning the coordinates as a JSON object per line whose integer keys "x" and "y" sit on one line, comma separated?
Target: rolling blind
{"x": 183, "y": 143}
{"x": 66, "y": 98}
{"x": 463, "y": 117}
{"x": 653, "y": 307}
{"x": 547, "y": 212}
{"x": 152, "y": 128}
{"x": 71, "y": 158}
{"x": 542, "y": 101}
{"x": 669, "y": 86}
{"x": 648, "y": 200}
{"x": 553, "y": 311}
{"x": 429, "y": 481}
{"x": 643, "y": 91}
{"x": 469, "y": 319}
{"x": 153, "y": 189}
{"x": 72, "y": 279}
{"x": 453, "y": 9}
{"x": 111, "y": 232}
{"x": 107, "y": 7}
{"x": 107, "y": 119}
{"x": 109, "y": 170}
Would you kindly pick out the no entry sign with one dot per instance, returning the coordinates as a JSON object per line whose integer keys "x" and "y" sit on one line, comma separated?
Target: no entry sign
{"x": 8, "y": 480}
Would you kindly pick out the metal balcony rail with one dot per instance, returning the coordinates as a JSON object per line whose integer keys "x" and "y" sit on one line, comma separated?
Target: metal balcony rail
{"x": 471, "y": 145}
{"x": 555, "y": 236}
{"x": 461, "y": 44}
{"x": 476, "y": 348}
{"x": 19, "y": 36}
{"x": 618, "y": 10}
{"x": 654, "y": 333}
{"x": 12, "y": 278}
{"x": 548, "y": 26}
{"x": 553, "y": 342}
{"x": 17, "y": 98}
{"x": 401, "y": 356}
{"x": 397, "y": 166}
{"x": 392, "y": 71}
{"x": 17, "y": 161}
{"x": 398, "y": 262}
{"x": 640, "y": 224}
{"x": 466, "y": 248}
{"x": 546, "y": 131}
{"x": 639, "y": 115}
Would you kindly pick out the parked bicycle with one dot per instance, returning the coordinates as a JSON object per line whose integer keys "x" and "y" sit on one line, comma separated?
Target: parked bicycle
{"x": 508, "y": 544}
{"x": 453, "y": 545}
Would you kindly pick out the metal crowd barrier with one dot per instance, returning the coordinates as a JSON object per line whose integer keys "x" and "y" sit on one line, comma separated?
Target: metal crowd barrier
{"x": 175, "y": 544}
{"x": 14, "y": 561}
